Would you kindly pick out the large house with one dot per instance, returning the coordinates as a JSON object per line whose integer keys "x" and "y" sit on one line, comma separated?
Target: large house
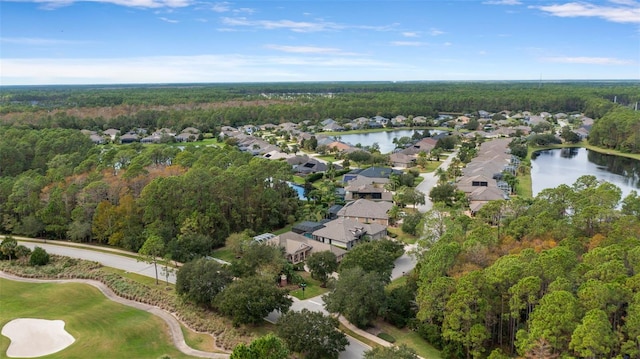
{"x": 346, "y": 233}
{"x": 366, "y": 211}
{"x": 298, "y": 248}
{"x": 362, "y": 187}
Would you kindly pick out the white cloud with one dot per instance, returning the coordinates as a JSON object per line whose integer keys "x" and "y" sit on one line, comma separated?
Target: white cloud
{"x": 154, "y": 4}
{"x": 436, "y": 32}
{"x": 409, "y": 43}
{"x": 38, "y": 41}
{"x": 588, "y": 60}
{"x": 299, "y": 26}
{"x": 296, "y": 26}
{"x": 171, "y": 21}
{"x": 176, "y": 69}
{"x": 221, "y": 7}
{"x": 307, "y": 49}
{"x": 410, "y": 34}
{"x": 244, "y": 10}
{"x": 618, "y": 11}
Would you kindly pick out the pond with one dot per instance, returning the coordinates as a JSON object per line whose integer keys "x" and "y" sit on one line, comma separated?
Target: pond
{"x": 384, "y": 139}
{"x": 551, "y": 168}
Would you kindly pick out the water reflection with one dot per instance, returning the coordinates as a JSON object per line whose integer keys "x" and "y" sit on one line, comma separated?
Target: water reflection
{"x": 383, "y": 139}
{"x": 551, "y": 168}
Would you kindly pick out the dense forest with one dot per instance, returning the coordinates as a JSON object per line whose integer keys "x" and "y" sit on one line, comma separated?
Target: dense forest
{"x": 57, "y": 184}
{"x": 208, "y": 107}
{"x": 558, "y": 275}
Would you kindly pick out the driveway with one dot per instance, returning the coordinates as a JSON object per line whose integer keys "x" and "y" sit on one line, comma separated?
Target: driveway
{"x": 430, "y": 181}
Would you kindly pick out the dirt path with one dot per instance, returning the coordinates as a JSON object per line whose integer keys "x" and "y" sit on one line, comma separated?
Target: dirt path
{"x": 174, "y": 325}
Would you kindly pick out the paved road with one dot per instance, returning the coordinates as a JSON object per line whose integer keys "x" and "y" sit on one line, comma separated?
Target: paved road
{"x": 107, "y": 259}
{"x": 405, "y": 263}
{"x": 430, "y": 180}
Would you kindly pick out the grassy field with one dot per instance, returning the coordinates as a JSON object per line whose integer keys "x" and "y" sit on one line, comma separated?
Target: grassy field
{"x": 411, "y": 339}
{"x": 200, "y": 341}
{"x": 102, "y": 328}
{"x": 312, "y": 289}
{"x": 401, "y": 236}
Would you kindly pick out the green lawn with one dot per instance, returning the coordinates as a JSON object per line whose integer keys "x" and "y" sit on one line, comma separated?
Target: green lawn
{"x": 224, "y": 253}
{"x": 431, "y": 166}
{"x": 200, "y": 341}
{"x": 102, "y": 328}
{"x": 328, "y": 158}
{"x": 398, "y": 282}
{"x": 312, "y": 289}
{"x": 400, "y": 235}
{"x": 411, "y": 339}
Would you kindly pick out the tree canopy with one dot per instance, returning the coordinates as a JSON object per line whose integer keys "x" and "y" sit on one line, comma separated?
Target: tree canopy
{"x": 313, "y": 334}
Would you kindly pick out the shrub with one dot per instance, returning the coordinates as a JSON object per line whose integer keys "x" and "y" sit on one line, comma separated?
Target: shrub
{"x": 39, "y": 257}
{"x": 387, "y": 337}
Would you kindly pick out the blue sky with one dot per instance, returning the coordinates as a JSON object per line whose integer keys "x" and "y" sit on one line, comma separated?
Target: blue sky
{"x": 184, "y": 41}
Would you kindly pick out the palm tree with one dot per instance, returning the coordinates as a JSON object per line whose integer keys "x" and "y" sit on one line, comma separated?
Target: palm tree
{"x": 436, "y": 152}
{"x": 442, "y": 175}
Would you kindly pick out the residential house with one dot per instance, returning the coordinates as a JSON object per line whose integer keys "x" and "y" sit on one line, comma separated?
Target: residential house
{"x": 582, "y": 132}
{"x": 346, "y": 233}
{"x": 376, "y": 172}
{"x": 419, "y": 121}
{"x": 305, "y": 165}
{"x": 371, "y": 188}
{"x": 96, "y": 139}
{"x": 424, "y": 145}
{"x": 129, "y": 138}
{"x": 398, "y": 121}
{"x": 154, "y": 138}
{"x": 402, "y": 160}
{"x": 249, "y": 129}
{"x": 186, "y": 137}
{"x": 191, "y": 130}
{"x": 278, "y": 155}
{"x": 339, "y": 146}
{"x": 484, "y": 114}
{"x": 366, "y": 211}
{"x": 298, "y": 248}
{"x": 332, "y": 127}
{"x": 111, "y": 133}
{"x": 382, "y": 121}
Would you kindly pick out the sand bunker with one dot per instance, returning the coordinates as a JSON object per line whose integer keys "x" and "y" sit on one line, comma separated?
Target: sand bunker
{"x": 32, "y": 338}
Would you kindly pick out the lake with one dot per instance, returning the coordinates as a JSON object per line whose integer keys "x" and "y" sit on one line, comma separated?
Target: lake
{"x": 384, "y": 139}
{"x": 551, "y": 168}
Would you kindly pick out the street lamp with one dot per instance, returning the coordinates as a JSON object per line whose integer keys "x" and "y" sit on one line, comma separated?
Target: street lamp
{"x": 303, "y": 286}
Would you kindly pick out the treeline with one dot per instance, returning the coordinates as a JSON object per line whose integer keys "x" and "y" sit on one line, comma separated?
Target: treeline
{"x": 211, "y": 106}
{"x": 619, "y": 129}
{"x": 557, "y": 275}
{"x": 62, "y": 187}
